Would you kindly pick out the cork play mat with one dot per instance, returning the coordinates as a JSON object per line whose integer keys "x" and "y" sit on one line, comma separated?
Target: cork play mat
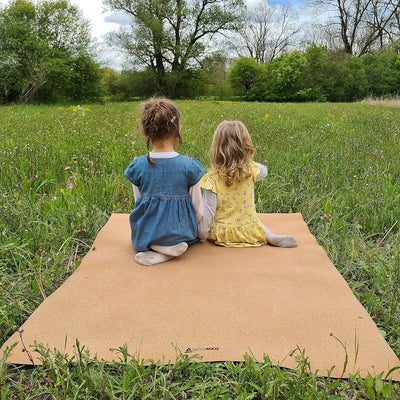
{"x": 220, "y": 303}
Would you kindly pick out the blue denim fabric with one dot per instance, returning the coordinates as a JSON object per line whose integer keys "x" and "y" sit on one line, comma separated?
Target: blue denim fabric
{"x": 164, "y": 214}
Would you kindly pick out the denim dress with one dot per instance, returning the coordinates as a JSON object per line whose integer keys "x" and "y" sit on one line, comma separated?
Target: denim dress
{"x": 164, "y": 214}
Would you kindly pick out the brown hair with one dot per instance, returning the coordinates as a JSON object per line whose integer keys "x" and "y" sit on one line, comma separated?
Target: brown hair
{"x": 160, "y": 119}
{"x": 232, "y": 152}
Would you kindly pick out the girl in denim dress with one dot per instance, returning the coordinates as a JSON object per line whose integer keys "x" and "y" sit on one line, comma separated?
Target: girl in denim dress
{"x": 166, "y": 189}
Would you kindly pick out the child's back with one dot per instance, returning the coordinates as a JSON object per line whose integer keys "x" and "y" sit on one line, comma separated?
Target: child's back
{"x": 166, "y": 187}
{"x": 230, "y": 217}
{"x": 164, "y": 213}
{"x": 235, "y": 221}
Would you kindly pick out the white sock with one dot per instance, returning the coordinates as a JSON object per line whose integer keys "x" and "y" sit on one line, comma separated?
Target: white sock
{"x": 151, "y": 258}
{"x": 173, "y": 251}
{"x": 280, "y": 240}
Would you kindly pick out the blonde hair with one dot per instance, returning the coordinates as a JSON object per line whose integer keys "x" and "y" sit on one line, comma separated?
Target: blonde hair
{"x": 232, "y": 152}
{"x": 160, "y": 119}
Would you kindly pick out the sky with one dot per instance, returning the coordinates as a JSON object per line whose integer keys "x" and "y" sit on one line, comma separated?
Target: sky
{"x": 103, "y": 22}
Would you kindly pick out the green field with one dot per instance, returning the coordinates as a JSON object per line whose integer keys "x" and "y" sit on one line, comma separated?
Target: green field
{"x": 62, "y": 176}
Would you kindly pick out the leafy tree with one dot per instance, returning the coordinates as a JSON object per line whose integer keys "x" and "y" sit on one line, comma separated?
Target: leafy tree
{"x": 110, "y": 81}
{"x": 350, "y": 82}
{"x": 44, "y": 50}
{"x": 247, "y": 78}
{"x": 285, "y": 78}
{"x": 212, "y": 76}
{"x": 383, "y": 73}
{"x": 170, "y": 36}
{"x": 318, "y": 74}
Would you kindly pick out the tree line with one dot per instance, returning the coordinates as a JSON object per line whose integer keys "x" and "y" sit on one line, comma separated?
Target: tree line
{"x": 193, "y": 48}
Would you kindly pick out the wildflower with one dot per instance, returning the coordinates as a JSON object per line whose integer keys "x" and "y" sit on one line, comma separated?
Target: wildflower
{"x": 71, "y": 185}
{"x": 265, "y": 162}
{"x": 87, "y": 109}
{"x": 44, "y": 148}
{"x": 62, "y": 191}
{"x": 67, "y": 168}
{"x": 18, "y": 184}
{"x": 265, "y": 117}
{"x": 86, "y": 169}
{"x": 54, "y": 198}
{"x": 33, "y": 177}
{"x": 60, "y": 108}
{"x": 74, "y": 158}
{"x": 355, "y": 176}
{"x": 325, "y": 216}
{"x": 90, "y": 162}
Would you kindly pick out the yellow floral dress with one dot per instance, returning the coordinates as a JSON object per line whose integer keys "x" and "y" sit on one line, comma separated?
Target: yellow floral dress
{"x": 235, "y": 222}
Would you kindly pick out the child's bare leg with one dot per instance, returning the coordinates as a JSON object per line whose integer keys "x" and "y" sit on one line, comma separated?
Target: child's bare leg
{"x": 173, "y": 251}
{"x": 279, "y": 240}
{"x": 151, "y": 258}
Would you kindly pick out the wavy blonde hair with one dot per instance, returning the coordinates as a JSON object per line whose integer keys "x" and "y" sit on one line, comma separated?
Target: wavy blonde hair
{"x": 232, "y": 152}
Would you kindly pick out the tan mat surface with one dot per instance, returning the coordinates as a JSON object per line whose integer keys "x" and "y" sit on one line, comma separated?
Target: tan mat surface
{"x": 218, "y": 302}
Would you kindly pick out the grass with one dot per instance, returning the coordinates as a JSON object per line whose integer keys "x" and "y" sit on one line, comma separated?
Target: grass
{"x": 61, "y": 176}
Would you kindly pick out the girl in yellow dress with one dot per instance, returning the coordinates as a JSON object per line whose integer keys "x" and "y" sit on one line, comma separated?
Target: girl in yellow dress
{"x": 229, "y": 212}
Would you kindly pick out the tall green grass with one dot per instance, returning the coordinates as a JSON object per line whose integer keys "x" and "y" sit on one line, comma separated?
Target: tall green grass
{"x": 61, "y": 176}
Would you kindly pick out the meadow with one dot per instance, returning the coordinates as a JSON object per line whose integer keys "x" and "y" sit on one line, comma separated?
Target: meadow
{"x": 61, "y": 177}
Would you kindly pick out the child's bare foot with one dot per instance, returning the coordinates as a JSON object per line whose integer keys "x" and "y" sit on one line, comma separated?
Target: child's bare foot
{"x": 173, "y": 251}
{"x": 281, "y": 240}
{"x": 151, "y": 258}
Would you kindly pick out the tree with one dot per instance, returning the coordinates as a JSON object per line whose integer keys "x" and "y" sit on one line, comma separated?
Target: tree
{"x": 350, "y": 81}
{"x": 44, "y": 49}
{"x": 170, "y": 36}
{"x": 247, "y": 78}
{"x": 362, "y": 25}
{"x": 286, "y": 78}
{"x": 383, "y": 73}
{"x": 318, "y": 76}
{"x": 268, "y": 31}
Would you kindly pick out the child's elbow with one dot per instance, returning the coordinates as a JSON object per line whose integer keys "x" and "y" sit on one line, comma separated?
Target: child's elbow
{"x": 202, "y": 235}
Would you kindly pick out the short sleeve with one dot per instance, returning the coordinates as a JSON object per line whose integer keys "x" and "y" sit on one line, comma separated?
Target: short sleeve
{"x": 208, "y": 182}
{"x": 131, "y": 173}
{"x": 196, "y": 171}
{"x": 255, "y": 170}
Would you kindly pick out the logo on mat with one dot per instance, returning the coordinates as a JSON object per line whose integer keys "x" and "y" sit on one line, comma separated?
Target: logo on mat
{"x": 197, "y": 349}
